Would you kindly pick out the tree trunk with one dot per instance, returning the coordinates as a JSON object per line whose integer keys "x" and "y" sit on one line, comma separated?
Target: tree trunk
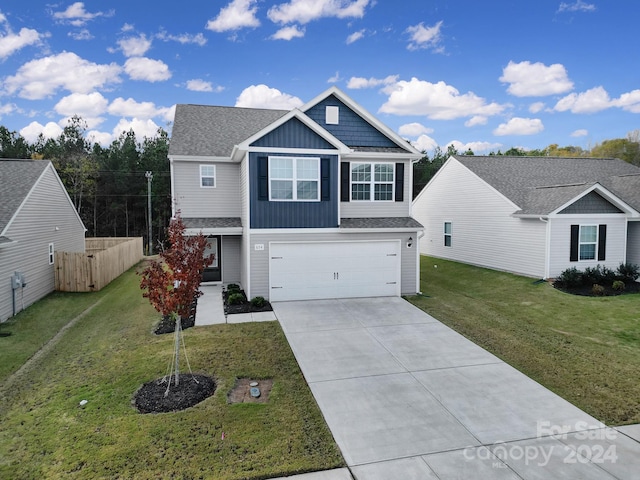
{"x": 177, "y": 348}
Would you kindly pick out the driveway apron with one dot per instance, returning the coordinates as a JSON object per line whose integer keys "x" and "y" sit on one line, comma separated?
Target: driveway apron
{"x": 407, "y": 397}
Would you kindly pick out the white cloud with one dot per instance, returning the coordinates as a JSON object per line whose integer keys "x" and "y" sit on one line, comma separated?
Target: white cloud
{"x": 425, "y": 37}
{"x": 127, "y": 27}
{"x": 580, "y": 133}
{"x": 11, "y": 42}
{"x": 425, "y": 143}
{"x": 238, "y": 14}
{"x": 288, "y": 33}
{"x": 475, "y": 147}
{"x": 101, "y": 138}
{"x": 199, "y": 85}
{"x": 334, "y": 79}
{"x": 361, "y": 82}
{"x": 476, "y": 120}
{"x": 76, "y": 15}
{"x": 629, "y": 101}
{"x": 262, "y": 96}
{"x": 7, "y": 109}
{"x": 135, "y": 46}
{"x": 141, "y": 127}
{"x": 141, "y": 68}
{"x": 355, "y": 36}
{"x": 414, "y": 129}
{"x": 41, "y": 78}
{"x": 83, "y": 34}
{"x": 520, "y": 126}
{"x": 92, "y": 122}
{"x": 34, "y": 129}
{"x": 591, "y": 101}
{"x": 536, "y": 107}
{"x": 437, "y": 101}
{"x": 82, "y": 104}
{"x": 578, "y": 6}
{"x": 184, "y": 38}
{"x": 528, "y": 79}
{"x": 132, "y": 109}
{"x": 305, "y": 11}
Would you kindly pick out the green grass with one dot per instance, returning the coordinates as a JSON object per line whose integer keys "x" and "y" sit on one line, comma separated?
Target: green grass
{"x": 585, "y": 349}
{"x": 108, "y": 354}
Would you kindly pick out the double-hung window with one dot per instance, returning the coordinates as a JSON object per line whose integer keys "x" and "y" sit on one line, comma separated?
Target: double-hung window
{"x": 294, "y": 179}
{"x": 372, "y": 181}
{"x": 588, "y": 245}
{"x": 52, "y": 256}
{"x": 207, "y": 176}
{"x": 448, "y": 233}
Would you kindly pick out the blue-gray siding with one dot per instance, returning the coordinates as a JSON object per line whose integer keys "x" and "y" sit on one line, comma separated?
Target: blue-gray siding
{"x": 591, "y": 203}
{"x": 351, "y": 129}
{"x": 293, "y": 134}
{"x": 266, "y": 214}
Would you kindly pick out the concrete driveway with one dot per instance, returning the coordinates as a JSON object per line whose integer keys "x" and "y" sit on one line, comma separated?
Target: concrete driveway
{"x": 407, "y": 397}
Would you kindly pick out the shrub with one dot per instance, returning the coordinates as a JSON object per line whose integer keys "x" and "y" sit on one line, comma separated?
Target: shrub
{"x": 258, "y": 302}
{"x": 618, "y": 285}
{"x": 598, "y": 274}
{"x": 233, "y": 288}
{"x": 628, "y": 271}
{"x": 570, "y": 278}
{"x": 235, "y": 298}
{"x": 597, "y": 290}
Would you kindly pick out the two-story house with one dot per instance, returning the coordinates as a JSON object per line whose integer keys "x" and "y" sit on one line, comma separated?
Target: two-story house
{"x": 309, "y": 203}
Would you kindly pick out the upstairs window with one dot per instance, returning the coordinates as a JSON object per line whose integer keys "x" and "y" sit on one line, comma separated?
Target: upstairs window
{"x": 448, "y": 233}
{"x": 207, "y": 176}
{"x": 294, "y": 179}
{"x": 372, "y": 181}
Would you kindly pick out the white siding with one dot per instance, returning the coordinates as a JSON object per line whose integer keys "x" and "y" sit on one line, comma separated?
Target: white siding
{"x": 370, "y": 209}
{"x": 46, "y": 217}
{"x": 260, "y": 258}
{"x": 194, "y": 201}
{"x": 633, "y": 243}
{"x": 560, "y": 242}
{"x": 231, "y": 259}
{"x": 484, "y": 232}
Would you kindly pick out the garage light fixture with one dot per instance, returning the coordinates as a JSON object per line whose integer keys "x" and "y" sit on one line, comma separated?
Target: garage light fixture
{"x": 410, "y": 242}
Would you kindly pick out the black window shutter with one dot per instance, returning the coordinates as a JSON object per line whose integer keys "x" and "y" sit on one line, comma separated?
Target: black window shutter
{"x": 263, "y": 178}
{"x": 602, "y": 242}
{"x": 575, "y": 233}
{"x": 345, "y": 181}
{"x": 324, "y": 179}
{"x": 399, "y": 182}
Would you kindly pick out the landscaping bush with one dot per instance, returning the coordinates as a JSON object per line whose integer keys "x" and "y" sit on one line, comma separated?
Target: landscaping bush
{"x": 598, "y": 275}
{"x": 597, "y": 290}
{"x": 236, "y": 298}
{"x": 233, "y": 288}
{"x": 628, "y": 271}
{"x": 570, "y": 278}
{"x": 258, "y": 302}
{"x": 618, "y": 286}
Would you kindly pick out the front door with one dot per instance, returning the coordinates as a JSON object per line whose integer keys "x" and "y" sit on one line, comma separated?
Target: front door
{"x": 213, "y": 273}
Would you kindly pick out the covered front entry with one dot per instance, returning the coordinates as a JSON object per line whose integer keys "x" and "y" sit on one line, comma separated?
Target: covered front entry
{"x": 213, "y": 273}
{"x": 316, "y": 270}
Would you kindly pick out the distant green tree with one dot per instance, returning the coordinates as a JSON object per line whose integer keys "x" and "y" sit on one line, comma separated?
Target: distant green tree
{"x": 627, "y": 149}
{"x": 13, "y": 145}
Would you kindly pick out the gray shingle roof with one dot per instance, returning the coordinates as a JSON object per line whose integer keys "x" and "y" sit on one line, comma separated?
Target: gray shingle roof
{"x": 384, "y": 222}
{"x": 220, "y": 222}
{"x": 539, "y": 185}
{"x": 17, "y": 177}
{"x": 202, "y": 130}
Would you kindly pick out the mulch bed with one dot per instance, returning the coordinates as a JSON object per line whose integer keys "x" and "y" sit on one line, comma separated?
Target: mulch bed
{"x": 168, "y": 325}
{"x": 244, "y": 307}
{"x": 586, "y": 291}
{"x": 191, "y": 390}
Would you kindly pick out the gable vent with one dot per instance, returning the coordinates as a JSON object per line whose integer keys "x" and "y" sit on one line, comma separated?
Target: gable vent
{"x": 332, "y": 115}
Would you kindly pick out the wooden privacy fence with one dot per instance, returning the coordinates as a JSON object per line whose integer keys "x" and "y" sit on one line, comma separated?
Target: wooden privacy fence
{"x": 104, "y": 259}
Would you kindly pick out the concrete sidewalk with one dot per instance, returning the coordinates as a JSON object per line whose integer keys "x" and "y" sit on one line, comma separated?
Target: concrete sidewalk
{"x": 210, "y": 309}
{"x": 407, "y": 397}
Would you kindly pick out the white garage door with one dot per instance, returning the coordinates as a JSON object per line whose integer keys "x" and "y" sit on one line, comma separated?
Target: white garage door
{"x": 304, "y": 271}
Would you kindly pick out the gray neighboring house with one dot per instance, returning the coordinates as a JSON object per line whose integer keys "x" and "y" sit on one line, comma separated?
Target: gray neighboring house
{"x": 37, "y": 218}
{"x": 308, "y": 203}
{"x": 535, "y": 216}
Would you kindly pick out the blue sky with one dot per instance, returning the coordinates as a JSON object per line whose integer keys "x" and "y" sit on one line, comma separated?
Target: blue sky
{"x": 484, "y": 75}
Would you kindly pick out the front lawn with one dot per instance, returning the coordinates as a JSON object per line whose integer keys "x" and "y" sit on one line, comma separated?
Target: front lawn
{"x": 585, "y": 349}
{"x": 108, "y": 354}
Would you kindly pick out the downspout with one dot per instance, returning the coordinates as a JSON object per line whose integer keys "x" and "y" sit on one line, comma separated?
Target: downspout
{"x": 547, "y": 247}
{"x": 420, "y": 235}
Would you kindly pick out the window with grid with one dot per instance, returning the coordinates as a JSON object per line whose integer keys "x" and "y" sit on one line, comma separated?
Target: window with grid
{"x": 294, "y": 179}
{"x": 208, "y": 176}
{"x": 448, "y": 233}
{"x": 588, "y": 245}
{"x": 372, "y": 181}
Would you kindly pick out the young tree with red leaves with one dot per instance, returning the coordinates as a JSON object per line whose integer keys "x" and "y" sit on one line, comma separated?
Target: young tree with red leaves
{"x": 173, "y": 283}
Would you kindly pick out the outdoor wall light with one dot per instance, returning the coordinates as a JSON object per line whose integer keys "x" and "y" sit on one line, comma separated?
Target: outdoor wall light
{"x": 410, "y": 242}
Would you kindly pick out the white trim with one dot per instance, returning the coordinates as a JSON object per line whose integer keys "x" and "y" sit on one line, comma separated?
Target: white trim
{"x": 200, "y": 158}
{"x": 8, "y": 244}
{"x": 596, "y": 243}
{"x": 221, "y": 231}
{"x": 372, "y": 182}
{"x": 610, "y": 197}
{"x": 317, "y": 231}
{"x": 583, "y": 215}
{"x": 52, "y": 254}
{"x": 294, "y": 179}
{"x": 208, "y": 165}
{"x": 294, "y": 151}
{"x": 173, "y": 188}
{"x": 382, "y": 155}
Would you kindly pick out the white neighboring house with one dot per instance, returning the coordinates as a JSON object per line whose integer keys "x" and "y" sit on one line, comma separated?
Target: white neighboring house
{"x": 37, "y": 218}
{"x": 534, "y": 216}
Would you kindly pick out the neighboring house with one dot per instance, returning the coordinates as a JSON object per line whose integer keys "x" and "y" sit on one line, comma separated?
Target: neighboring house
{"x": 309, "y": 203}
{"x": 37, "y": 218}
{"x": 535, "y": 216}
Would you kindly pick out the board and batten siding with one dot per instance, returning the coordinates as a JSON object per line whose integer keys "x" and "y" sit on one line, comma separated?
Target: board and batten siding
{"x": 560, "y": 242}
{"x": 633, "y": 242}
{"x": 260, "y": 258}
{"x": 230, "y": 258}
{"x": 195, "y": 201}
{"x": 483, "y": 231}
{"x": 47, "y": 216}
{"x": 373, "y": 209}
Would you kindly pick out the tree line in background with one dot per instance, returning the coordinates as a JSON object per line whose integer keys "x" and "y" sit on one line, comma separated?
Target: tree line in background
{"x": 109, "y": 189}
{"x": 627, "y": 149}
{"x": 106, "y": 185}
